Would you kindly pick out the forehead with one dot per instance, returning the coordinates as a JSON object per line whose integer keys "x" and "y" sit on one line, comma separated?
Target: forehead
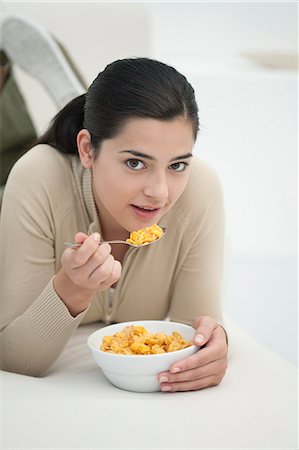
{"x": 154, "y": 135}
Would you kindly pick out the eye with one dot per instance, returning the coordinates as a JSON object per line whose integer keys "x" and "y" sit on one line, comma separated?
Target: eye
{"x": 135, "y": 164}
{"x": 179, "y": 166}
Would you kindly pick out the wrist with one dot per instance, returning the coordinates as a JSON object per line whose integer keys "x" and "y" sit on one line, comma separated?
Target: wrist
{"x": 75, "y": 298}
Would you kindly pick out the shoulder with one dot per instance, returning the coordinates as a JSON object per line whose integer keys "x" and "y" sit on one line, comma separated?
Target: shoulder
{"x": 39, "y": 162}
{"x": 203, "y": 186}
{"x": 41, "y": 169}
{"x": 203, "y": 178}
{"x": 42, "y": 176}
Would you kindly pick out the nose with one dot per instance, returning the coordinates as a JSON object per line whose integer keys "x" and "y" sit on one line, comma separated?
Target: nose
{"x": 156, "y": 187}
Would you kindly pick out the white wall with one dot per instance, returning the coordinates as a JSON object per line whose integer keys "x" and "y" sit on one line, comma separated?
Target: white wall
{"x": 248, "y": 113}
{"x": 94, "y": 34}
{"x": 222, "y": 29}
{"x": 240, "y": 57}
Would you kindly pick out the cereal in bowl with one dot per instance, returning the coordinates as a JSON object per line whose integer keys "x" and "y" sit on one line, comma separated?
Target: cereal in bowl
{"x": 136, "y": 340}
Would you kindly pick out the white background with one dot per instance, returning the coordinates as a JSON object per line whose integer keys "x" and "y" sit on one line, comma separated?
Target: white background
{"x": 249, "y": 131}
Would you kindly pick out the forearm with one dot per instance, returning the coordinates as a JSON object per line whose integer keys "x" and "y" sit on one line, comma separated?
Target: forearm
{"x": 32, "y": 341}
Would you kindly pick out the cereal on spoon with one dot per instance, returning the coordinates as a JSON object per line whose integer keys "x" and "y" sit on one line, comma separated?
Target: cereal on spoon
{"x": 145, "y": 235}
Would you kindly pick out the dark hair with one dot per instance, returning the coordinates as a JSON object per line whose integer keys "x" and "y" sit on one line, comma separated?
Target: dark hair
{"x": 127, "y": 88}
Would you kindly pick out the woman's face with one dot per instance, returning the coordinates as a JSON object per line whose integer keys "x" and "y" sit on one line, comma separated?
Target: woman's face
{"x": 140, "y": 174}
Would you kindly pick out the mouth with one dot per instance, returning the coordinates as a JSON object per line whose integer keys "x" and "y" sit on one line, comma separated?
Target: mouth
{"x": 145, "y": 212}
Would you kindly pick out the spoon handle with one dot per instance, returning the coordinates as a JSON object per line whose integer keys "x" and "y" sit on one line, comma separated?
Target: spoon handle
{"x": 72, "y": 244}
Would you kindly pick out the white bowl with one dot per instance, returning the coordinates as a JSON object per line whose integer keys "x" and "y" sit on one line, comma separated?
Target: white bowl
{"x": 138, "y": 373}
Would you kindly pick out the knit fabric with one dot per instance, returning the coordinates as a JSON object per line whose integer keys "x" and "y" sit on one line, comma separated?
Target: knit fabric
{"x": 48, "y": 199}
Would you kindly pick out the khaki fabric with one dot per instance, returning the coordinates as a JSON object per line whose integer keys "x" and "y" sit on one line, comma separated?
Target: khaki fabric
{"x": 16, "y": 127}
{"x": 17, "y": 130}
{"x": 48, "y": 198}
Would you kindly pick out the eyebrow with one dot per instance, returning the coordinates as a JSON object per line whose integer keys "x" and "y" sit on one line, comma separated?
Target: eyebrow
{"x": 144, "y": 155}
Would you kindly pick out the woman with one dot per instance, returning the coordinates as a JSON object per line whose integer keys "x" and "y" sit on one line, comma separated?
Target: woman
{"x": 114, "y": 160}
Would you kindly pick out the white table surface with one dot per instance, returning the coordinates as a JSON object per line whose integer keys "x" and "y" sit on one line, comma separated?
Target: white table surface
{"x": 74, "y": 406}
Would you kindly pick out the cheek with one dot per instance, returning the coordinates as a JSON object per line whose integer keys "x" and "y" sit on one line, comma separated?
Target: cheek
{"x": 105, "y": 187}
{"x": 117, "y": 188}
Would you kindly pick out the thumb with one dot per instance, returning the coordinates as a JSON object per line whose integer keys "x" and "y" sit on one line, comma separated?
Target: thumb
{"x": 204, "y": 326}
{"x": 80, "y": 238}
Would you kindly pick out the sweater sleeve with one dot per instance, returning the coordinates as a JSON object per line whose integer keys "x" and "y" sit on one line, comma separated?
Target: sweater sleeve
{"x": 35, "y": 324}
{"x": 198, "y": 282}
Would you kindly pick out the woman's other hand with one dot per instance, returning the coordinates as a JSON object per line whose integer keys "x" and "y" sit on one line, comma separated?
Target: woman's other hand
{"x": 206, "y": 367}
{"x": 85, "y": 270}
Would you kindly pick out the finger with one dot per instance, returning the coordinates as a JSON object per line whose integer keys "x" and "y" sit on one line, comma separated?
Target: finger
{"x": 80, "y": 238}
{"x": 116, "y": 273}
{"x": 212, "y": 369}
{"x": 96, "y": 260}
{"x": 103, "y": 271}
{"x": 111, "y": 276}
{"x": 115, "y": 276}
{"x": 219, "y": 337}
{"x": 192, "y": 385}
{"x": 87, "y": 249}
{"x": 203, "y": 356}
{"x": 87, "y": 274}
{"x": 204, "y": 326}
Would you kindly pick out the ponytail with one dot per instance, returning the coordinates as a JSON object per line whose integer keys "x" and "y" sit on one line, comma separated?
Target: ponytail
{"x": 63, "y": 130}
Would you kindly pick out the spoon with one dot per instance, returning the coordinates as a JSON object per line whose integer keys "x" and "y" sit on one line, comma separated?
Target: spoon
{"x": 72, "y": 244}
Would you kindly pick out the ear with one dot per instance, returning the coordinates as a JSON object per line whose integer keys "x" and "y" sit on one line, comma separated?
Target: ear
{"x": 84, "y": 148}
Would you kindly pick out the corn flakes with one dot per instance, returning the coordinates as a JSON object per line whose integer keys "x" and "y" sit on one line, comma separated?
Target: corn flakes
{"x": 145, "y": 235}
{"x": 136, "y": 340}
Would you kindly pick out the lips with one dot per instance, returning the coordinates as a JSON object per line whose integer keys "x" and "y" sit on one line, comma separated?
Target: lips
{"x": 145, "y": 212}
{"x": 147, "y": 208}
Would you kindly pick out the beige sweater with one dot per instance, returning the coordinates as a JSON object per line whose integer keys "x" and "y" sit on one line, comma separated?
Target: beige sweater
{"x": 48, "y": 199}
